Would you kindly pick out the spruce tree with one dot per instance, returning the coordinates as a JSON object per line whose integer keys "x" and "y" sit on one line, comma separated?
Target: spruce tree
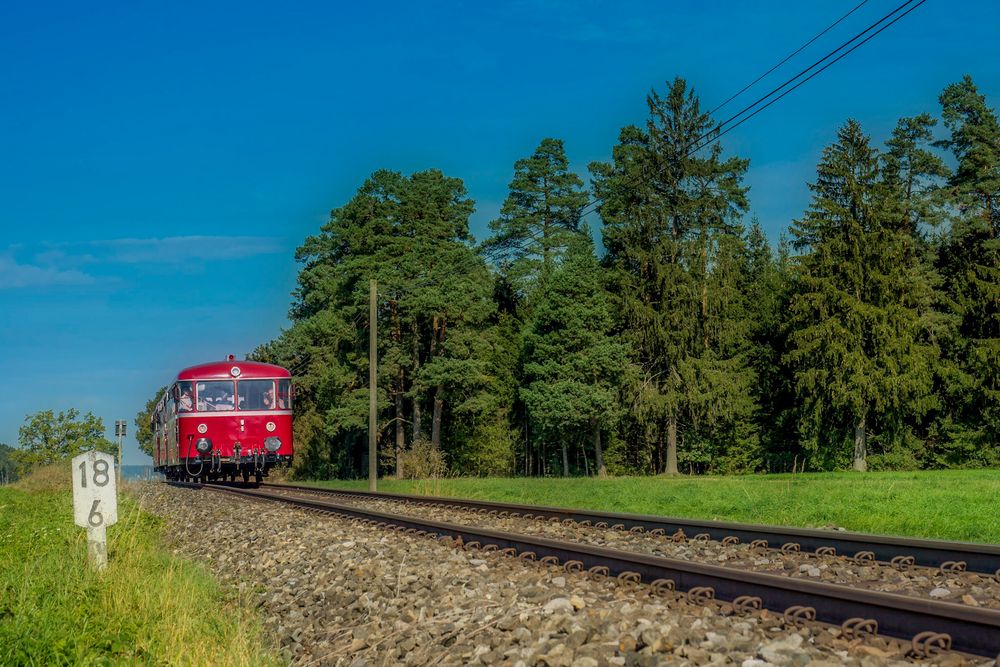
{"x": 859, "y": 320}
{"x": 768, "y": 290}
{"x": 915, "y": 172}
{"x": 574, "y": 365}
{"x": 671, "y": 223}
{"x": 970, "y": 265}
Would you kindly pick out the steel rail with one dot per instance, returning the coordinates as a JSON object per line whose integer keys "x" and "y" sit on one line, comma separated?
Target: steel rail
{"x": 928, "y": 624}
{"x": 981, "y": 558}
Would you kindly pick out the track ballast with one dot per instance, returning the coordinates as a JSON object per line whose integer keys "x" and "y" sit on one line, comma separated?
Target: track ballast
{"x": 928, "y": 625}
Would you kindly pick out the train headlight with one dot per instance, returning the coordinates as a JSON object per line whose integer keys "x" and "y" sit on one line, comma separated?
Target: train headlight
{"x": 203, "y": 445}
{"x": 272, "y": 444}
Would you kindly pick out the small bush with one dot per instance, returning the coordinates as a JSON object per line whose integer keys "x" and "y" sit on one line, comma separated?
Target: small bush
{"x": 489, "y": 450}
{"x": 422, "y": 460}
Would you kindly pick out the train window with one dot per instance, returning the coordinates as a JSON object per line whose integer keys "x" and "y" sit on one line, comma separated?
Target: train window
{"x": 215, "y": 395}
{"x": 185, "y": 396}
{"x": 284, "y": 395}
{"x": 255, "y": 394}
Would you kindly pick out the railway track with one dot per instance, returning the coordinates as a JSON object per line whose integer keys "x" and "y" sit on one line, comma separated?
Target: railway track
{"x": 970, "y": 588}
{"x": 927, "y": 625}
{"x": 888, "y": 550}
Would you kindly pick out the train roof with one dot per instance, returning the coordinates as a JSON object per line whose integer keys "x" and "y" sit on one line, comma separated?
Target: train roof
{"x": 224, "y": 370}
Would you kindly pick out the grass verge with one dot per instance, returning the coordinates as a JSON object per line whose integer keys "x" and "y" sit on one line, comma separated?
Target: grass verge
{"x": 943, "y": 504}
{"x": 147, "y": 607}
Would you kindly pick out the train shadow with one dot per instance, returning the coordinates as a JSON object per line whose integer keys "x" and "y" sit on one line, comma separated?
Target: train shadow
{"x": 201, "y": 483}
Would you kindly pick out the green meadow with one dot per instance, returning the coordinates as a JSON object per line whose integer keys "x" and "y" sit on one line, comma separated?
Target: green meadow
{"x": 147, "y": 607}
{"x": 944, "y": 504}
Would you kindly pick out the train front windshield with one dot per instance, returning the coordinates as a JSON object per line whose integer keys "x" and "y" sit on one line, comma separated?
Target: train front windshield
{"x": 256, "y": 394}
{"x": 226, "y": 395}
{"x": 264, "y": 394}
{"x": 214, "y": 395}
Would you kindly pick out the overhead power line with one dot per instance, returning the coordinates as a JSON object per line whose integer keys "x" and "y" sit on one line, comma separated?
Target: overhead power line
{"x": 788, "y": 57}
{"x": 716, "y": 135}
{"x": 814, "y": 65}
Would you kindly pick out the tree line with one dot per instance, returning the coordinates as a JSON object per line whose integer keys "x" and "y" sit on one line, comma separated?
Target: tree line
{"x": 47, "y": 437}
{"x": 869, "y": 337}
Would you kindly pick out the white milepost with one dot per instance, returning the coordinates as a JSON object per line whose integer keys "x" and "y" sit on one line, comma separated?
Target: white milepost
{"x": 95, "y": 502}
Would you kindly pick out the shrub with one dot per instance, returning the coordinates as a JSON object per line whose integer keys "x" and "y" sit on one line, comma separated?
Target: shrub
{"x": 422, "y": 460}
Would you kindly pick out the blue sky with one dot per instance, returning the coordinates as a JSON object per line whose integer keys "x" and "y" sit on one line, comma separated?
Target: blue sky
{"x": 161, "y": 161}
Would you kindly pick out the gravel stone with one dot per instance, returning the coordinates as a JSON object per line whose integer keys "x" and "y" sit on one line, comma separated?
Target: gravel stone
{"x": 336, "y": 592}
{"x": 968, "y": 587}
{"x": 558, "y": 605}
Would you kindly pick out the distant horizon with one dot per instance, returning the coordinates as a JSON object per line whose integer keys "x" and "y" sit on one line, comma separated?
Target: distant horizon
{"x": 139, "y": 471}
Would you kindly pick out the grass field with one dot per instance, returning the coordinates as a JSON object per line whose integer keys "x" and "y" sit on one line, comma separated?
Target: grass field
{"x": 148, "y": 607}
{"x": 944, "y": 504}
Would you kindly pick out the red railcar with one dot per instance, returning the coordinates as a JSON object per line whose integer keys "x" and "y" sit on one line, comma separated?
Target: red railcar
{"x": 224, "y": 420}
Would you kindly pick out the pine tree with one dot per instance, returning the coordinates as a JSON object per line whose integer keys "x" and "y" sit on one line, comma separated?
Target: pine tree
{"x": 410, "y": 234}
{"x": 670, "y": 222}
{"x": 537, "y": 222}
{"x": 970, "y": 265}
{"x": 574, "y": 366}
{"x": 538, "y": 218}
{"x": 859, "y": 319}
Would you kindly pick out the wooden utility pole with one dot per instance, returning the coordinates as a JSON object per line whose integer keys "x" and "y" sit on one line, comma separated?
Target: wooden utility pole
{"x": 372, "y": 384}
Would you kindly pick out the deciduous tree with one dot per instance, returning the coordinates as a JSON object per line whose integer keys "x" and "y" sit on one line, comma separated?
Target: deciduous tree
{"x": 8, "y": 464}
{"x": 144, "y": 424}
{"x": 47, "y": 438}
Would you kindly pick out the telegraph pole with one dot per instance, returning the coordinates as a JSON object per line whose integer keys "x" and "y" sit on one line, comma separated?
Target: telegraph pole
{"x": 372, "y": 382}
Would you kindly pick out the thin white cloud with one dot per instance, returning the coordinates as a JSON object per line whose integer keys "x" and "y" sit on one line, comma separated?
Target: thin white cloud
{"x": 173, "y": 249}
{"x": 15, "y": 275}
{"x": 80, "y": 263}
{"x": 166, "y": 250}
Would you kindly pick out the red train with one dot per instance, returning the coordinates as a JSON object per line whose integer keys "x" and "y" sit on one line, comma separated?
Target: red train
{"x": 223, "y": 421}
